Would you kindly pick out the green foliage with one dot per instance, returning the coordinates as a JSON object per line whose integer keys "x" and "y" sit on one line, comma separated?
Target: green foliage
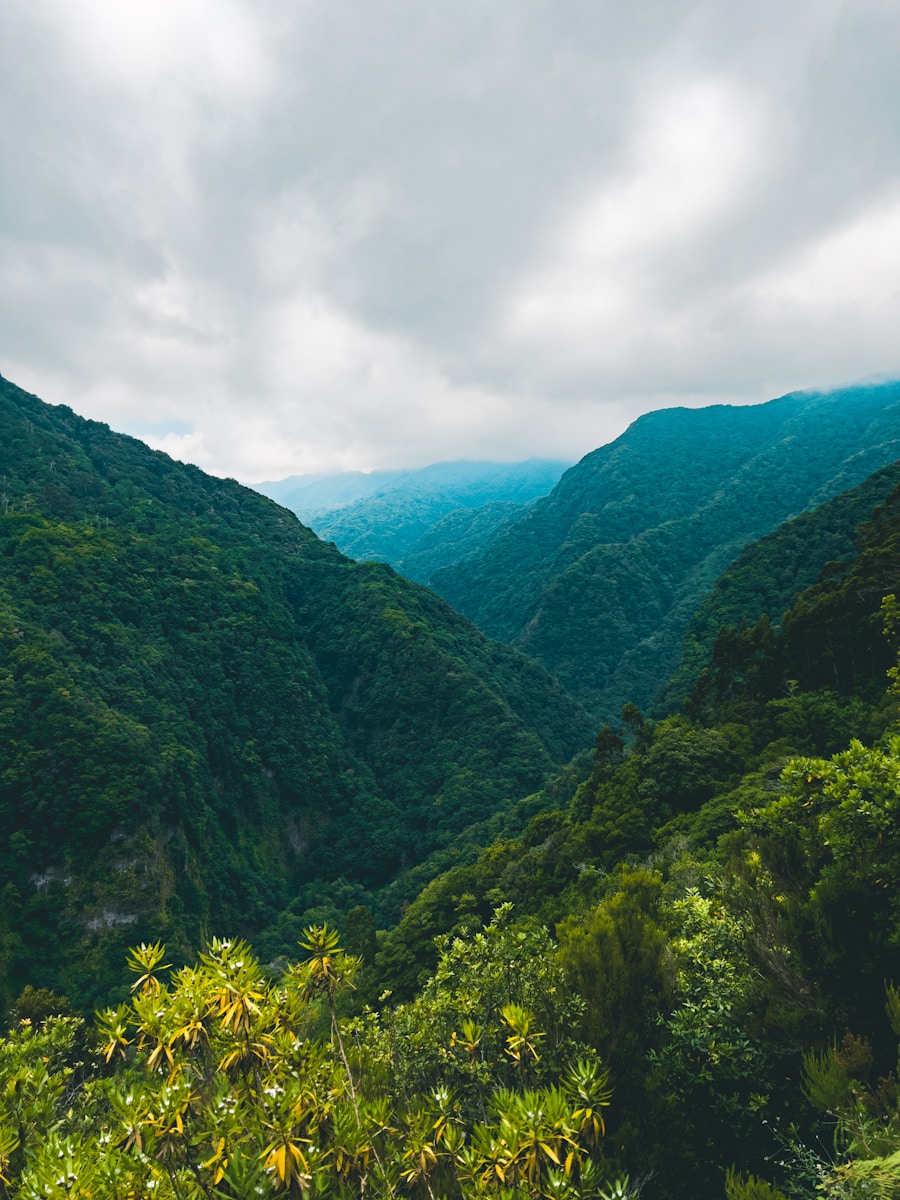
{"x": 206, "y": 712}
{"x": 769, "y": 574}
{"x": 600, "y": 579}
{"x": 35, "y": 1005}
{"x": 617, "y": 956}
{"x": 865, "y": 1118}
{"x": 814, "y": 681}
{"x": 211, "y": 1083}
{"x": 739, "y": 1187}
{"x": 831, "y": 841}
{"x": 496, "y": 1010}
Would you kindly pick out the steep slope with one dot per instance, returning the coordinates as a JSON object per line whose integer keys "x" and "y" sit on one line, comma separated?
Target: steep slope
{"x": 600, "y": 579}
{"x": 785, "y": 868}
{"x": 830, "y": 641}
{"x": 768, "y": 575}
{"x": 461, "y": 534}
{"x": 386, "y": 522}
{"x": 203, "y": 707}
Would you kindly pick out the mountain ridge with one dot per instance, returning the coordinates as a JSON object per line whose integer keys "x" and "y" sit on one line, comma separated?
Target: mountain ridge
{"x": 382, "y": 516}
{"x": 599, "y": 579}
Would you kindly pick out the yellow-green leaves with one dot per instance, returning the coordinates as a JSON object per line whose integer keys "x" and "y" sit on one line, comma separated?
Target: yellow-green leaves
{"x": 522, "y": 1040}
{"x": 206, "y": 1087}
{"x": 144, "y": 961}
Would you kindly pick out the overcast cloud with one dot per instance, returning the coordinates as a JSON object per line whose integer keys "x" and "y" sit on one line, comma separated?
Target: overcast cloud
{"x": 303, "y": 235}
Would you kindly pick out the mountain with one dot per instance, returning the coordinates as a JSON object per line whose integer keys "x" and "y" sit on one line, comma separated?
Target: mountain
{"x": 600, "y": 579}
{"x": 831, "y": 640}
{"x": 205, "y": 710}
{"x": 383, "y": 515}
{"x": 311, "y": 496}
{"x": 769, "y": 575}
{"x": 463, "y": 533}
{"x": 703, "y": 839}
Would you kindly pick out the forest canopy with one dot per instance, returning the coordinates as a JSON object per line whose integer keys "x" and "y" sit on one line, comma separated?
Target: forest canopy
{"x": 309, "y": 889}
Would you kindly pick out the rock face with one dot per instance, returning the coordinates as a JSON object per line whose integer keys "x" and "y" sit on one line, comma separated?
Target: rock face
{"x": 600, "y": 579}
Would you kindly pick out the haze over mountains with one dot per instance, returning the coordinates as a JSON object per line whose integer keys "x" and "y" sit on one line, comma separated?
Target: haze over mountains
{"x": 384, "y": 515}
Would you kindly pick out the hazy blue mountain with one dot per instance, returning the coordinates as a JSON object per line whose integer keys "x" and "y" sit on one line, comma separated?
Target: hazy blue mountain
{"x": 311, "y": 496}
{"x": 380, "y": 516}
{"x": 600, "y": 579}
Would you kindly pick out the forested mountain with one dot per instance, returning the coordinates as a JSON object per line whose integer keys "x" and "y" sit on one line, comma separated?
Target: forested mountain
{"x": 392, "y": 510}
{"x": 724, "y": 890}
{"x": 463, "y": 533}
{"x": 669, "y": 972}
{"x": 768, "y": 575}
{"x": 204, "y": 708}
{"x": 600, "y": 579}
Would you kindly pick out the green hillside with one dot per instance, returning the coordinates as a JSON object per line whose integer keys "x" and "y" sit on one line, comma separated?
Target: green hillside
{"x": 205, "y": 709}
{"x": 463, "y": 533}
{"x": 724, "y": 893}
{"x": 830, "y": 639}
{"x": 769, "y": 575}
{"x": 600, "y": 579}
{"x": 666, "y": 975}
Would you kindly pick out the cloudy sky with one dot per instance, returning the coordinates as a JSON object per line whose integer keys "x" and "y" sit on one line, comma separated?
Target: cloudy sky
{"x": 302, "y": 235}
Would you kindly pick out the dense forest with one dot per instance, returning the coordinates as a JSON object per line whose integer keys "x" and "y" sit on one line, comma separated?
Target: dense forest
{"x": 209, "y": 714}
{"x": 769, "y": 574}
{"x": 600, "y": 579}
{"x": 658, "y": 960}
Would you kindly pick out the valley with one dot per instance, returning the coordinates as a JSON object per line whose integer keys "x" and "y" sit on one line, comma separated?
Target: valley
{"x": 595, "y": 896}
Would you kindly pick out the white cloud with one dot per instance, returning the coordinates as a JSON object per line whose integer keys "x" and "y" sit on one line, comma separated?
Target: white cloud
{"x": 198, "y": 45}
{"x": 851, "y": 273}
{"x": 599, "y": 298}
{"x": 291, "y": 235}
{"x": 333, "y": 395}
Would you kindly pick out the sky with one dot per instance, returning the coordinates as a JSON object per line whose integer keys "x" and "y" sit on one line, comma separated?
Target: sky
{"x": 288, "y": 236}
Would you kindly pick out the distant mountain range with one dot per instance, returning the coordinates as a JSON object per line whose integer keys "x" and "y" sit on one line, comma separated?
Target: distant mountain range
{"x": 600, "y": 578}
{"x": 390, "y": 516}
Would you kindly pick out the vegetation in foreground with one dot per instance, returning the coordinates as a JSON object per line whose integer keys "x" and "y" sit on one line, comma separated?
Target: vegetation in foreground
{"x": 225, "y": 1081}
{"x": 715, "y": 1020}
